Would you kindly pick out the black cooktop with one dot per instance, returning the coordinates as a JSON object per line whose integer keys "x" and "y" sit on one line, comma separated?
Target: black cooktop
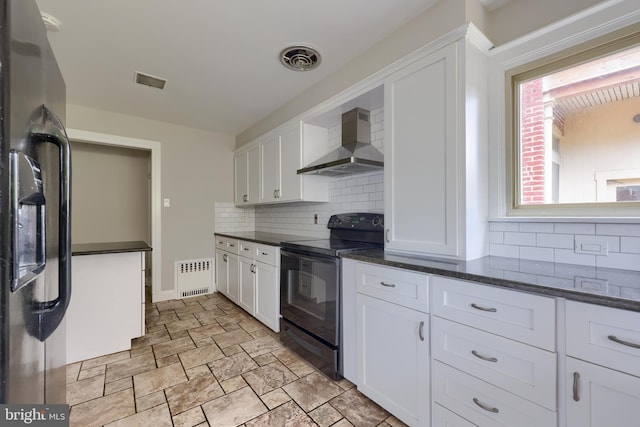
{"x": 349, "y": 232}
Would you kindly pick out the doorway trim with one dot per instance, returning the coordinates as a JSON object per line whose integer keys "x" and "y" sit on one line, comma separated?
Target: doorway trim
{"x": 156, "y": 220}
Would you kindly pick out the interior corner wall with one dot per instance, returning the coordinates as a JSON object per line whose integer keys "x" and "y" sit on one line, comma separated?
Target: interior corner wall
{"x": 197, "y": 171}
{"x": 110, "y": 194}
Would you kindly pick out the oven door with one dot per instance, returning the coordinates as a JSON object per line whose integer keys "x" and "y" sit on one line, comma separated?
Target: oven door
{"x": 309, "y": 293}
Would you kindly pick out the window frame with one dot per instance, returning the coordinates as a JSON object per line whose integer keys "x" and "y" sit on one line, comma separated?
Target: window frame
{"x": 579, "y": 38}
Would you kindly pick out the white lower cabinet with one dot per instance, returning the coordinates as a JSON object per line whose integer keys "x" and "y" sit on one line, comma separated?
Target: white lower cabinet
{"x": 393, "y": 350}
{"x": 442, "y": 417}
{"x": 603, "y": 353}
{"x": 601, "y": 397}
{"x": 247, "y": 285}
{"x": 267, "y": 308}
{"x": 485, "y": 404}
{"x": 251, "y": 279}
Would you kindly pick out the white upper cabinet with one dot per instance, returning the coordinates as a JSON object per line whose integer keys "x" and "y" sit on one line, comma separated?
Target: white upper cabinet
{"x": 279, "y": 155}
{"x": 247, "y": 176}
{"x": 435, "y": 154}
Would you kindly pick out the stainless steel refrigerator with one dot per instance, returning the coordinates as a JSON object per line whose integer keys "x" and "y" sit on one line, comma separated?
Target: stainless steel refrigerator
{"x": 35, "y": 258}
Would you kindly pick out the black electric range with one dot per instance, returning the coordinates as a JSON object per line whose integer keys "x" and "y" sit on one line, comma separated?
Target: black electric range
{"x": 310, "y": 288}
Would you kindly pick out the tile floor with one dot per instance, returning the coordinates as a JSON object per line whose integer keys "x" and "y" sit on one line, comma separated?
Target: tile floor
{"x": 205, "y": 362}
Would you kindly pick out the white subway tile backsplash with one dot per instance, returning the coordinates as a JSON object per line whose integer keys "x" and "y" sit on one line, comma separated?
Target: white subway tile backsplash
{"x": 618, "y": 229}
{"x": 568, "y": 256}
{"x": 536, "y": 227}
{"x": 496, "y": 237}
{"x": 520, "y": 239}
{"x": 547, "y": 240}
{"x": 508, "y": 251}
{"x": 504, "y": 226}
{"x": 537, "y": 254}
{"x": 574, "y": 228}
{"x": 619, "y": 260}
{"x": 630, "y": 244}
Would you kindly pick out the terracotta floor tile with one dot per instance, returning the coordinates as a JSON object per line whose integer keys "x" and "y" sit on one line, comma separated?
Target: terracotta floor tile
{"x": 158, "y": 379}
{"x": 103, "y": 410}
{"x": 206, "y": 362}
{"x": 157, "y": 416}
{"x": 234, "y": 408}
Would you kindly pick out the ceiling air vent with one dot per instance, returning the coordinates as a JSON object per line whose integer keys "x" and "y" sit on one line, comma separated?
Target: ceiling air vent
{"x": 148, "y": 80}
{"x": 300, "y": 58}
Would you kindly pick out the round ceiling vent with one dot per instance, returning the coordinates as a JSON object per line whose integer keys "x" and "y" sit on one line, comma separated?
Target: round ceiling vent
{"x": 300, "y": 58}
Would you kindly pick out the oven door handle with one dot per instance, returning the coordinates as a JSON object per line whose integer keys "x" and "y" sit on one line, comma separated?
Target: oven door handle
{"x": 308, "y": 257}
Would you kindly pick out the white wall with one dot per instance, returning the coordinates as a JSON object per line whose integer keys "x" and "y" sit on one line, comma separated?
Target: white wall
{"x": 197, "y": 171}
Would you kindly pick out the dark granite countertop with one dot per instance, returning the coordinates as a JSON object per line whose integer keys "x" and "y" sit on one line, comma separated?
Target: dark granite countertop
{"x": 109, "y": 248}
{"x": 273, "y": 239}
{"x": 602, "y": 286}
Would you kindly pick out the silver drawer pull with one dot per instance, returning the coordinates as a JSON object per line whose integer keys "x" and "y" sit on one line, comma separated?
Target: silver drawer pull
{"x": 576, "y": 379}
{"x": 623, "y": 342}
{"x": 388, "y": 285}
{"x": 481, "y": 308}
{"x": 246, "y": 249}
{"x": 265, "y": 253}
{"x": 421, "y": 331}
{"x": 486, "y": 358}
{"x": 232, "y": 246}
{"x": 485, "y": 407}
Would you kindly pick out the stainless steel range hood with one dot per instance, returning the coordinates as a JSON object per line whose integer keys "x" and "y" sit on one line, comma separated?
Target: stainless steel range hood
{"x": 356, "y": 155}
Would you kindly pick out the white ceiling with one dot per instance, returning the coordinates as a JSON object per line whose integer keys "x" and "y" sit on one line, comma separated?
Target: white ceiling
{"x": 220, "y": 57}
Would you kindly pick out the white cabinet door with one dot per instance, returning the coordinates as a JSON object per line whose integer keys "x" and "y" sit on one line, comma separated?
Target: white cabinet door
{"x": 267, "y": 295}
{"x": 290, "y": 162}
{"x": 222, "y": 272}
{"x": 247, "y": 176}
{"x": 393, "y": 356}
{"x": 247, "y": 285}
{"x": 600, "y": 397}
{"x": 233, "y": 279}
{"x": 421, "y": 150}
{"x": 270, "y": 168}
{"x": 241, "y": 168}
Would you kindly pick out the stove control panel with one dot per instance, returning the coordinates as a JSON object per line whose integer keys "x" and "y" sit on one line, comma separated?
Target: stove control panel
{"x": 357, "y": 221}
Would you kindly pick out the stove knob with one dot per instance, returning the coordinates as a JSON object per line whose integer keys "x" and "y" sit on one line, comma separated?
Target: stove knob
{"x": 376, "y": 221}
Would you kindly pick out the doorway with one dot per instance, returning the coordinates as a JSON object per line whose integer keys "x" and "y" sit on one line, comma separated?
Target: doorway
{"x": 153, "y": 148}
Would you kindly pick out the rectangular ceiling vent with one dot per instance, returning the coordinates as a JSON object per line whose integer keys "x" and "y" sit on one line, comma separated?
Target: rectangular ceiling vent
{"x": 149, "y": 80}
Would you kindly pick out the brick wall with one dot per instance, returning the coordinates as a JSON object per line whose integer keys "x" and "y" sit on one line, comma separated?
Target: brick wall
{"x": 532, "y": 142}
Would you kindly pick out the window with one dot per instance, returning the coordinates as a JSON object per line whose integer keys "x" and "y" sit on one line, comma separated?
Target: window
{"x": 575, "y": 130}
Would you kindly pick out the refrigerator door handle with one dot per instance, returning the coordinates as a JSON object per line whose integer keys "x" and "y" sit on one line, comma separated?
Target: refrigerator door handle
{"x": 50, "y": 313}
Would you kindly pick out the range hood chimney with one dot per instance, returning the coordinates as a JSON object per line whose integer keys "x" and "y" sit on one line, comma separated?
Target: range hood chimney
{"x": 356, "y": 155}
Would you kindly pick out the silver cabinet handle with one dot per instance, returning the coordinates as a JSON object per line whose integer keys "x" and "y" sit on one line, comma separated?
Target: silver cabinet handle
{"x": 252, "y": 268}
{"x": 623, "y": 342}
{"x": 576, "y": 379}
{"x": 246, "y": 249}
{"x": 386, "y": 235}
{"x": 265, "y": 253}
{"x": 485, "y": 406}
{"x": 275, "y": 194}
{"x": 278, "y": 194}
{"x": 232, "y": 246}
{"x": 421, "y": 331}
{"x": 485, "y": 358}
{"x": 224, "y": 257}
{"x": 388, "y": 285}
{"x": 481, "y": 308}
{"x": 244, "y": 198}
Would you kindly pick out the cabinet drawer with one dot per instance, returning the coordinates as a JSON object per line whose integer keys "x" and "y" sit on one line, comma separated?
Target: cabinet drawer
{"x": 268, "y": 254}
{"x": 522, "y": 369}
{"x": 443, "y": 417}
{"x": 248, "y": 249}
{"x": 603, "y": 335}
{"x": 484, "y": 404}
{"x": 398, "y": 286}
{"x": 227, "y": 244}
{"x": 520, "y": 316}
